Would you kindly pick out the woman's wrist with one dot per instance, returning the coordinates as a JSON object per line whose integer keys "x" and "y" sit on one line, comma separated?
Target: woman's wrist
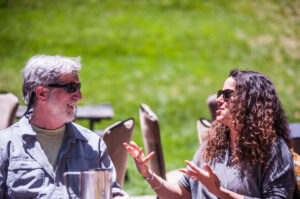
{"x": 221, "y": 192}
{"x": 154, "y": 184}
{"x": 149, "y": 176}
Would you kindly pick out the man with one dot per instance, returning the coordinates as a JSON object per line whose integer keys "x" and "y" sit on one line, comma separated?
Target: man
{"x": 37, "y": 150}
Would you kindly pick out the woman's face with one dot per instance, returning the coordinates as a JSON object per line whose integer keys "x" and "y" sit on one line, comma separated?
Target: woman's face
{"x": 223, "y": 114}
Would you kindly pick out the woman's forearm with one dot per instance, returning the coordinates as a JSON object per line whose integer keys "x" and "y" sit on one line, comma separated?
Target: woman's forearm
{"x": 226, "y": 194}
{"x": 165, "y": 189}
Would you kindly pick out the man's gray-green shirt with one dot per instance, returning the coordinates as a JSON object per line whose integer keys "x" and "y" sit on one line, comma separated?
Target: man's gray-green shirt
{"x": 25, "y": 171}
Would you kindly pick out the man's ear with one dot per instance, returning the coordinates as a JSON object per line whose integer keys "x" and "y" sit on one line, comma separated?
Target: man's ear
{"x": 42, "y": 93}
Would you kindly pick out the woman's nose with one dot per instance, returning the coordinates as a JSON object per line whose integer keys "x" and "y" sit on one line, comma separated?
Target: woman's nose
{"x": 220, "y": 99}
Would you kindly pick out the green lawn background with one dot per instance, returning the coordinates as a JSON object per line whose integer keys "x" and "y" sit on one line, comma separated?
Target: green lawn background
{"x": 169, "y": 54}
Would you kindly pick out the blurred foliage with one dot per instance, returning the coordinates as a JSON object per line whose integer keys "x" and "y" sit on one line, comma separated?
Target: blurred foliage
{"x": 169, "y": 54}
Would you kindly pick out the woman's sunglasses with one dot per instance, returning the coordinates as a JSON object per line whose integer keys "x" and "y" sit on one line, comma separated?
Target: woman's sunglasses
{"x": 227, "y": 93}
{"x": 68, "y": 87}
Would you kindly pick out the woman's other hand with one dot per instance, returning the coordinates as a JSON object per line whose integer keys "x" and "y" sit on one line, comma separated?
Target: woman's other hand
{"x": 208, "y": 178}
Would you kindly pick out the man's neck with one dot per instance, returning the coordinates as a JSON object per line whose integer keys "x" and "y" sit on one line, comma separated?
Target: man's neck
{"x": 44, "y": 120}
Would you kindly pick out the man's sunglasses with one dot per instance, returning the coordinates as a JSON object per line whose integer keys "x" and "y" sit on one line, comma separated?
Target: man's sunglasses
{"x": 68, "y": 87}
{"x": 226, "y": 94}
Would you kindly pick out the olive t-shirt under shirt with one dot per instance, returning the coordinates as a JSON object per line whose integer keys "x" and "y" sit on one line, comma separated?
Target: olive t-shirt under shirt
{"x": 50, "y": 141}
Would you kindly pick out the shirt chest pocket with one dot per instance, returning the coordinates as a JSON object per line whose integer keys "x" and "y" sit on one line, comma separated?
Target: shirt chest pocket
{"x": 79, "y": 164}
{"x": 24, "y": 175}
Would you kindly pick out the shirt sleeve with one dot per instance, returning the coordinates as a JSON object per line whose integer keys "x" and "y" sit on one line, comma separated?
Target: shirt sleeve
{"x": 279, "y": 177}
{"x": 184, "y": 181}
{"x": 3, "y": 174}
{"x": 106, "y": 163}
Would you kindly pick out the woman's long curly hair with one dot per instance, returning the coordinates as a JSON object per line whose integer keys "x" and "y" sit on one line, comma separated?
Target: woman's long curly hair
{"x": 258, "y": 114}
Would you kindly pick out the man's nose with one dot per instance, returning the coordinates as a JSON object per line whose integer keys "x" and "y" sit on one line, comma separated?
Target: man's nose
{"x": 77, "y": 95}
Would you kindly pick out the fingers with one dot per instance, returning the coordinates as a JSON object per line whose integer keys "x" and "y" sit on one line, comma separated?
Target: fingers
{"x": 190, "y": 173}
{"x": 137, "y": 153}
{"x": 141, "y": 158}
{"x": 196, "y": 171}
{"x": 194, "y": 167}
{"x": 130, "y": 150}
{"x": 184, "y": 171}
{"x": 140, "y": 154}
{"x": 207, "y": 168}
{"x": 134, "y": 145}
{"x": 127, "y": 146}
{"x": 148, "y": 157}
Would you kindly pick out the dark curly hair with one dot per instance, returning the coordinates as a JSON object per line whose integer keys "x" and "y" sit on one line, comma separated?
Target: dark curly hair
{"x": 257, "y": 111}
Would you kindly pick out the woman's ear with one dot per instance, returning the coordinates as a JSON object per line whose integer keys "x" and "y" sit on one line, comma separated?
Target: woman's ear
{"x": 42, "y": 93}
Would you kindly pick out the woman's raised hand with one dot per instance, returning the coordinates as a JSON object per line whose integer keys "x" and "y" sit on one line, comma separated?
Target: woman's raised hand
{"x": 140, "y": 160}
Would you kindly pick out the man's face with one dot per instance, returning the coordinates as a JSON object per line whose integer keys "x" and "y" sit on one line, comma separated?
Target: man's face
{"x": 61, "y": 103}
{"x": 223, "y": 114}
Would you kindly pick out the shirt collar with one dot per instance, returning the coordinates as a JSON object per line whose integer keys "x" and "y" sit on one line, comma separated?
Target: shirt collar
{"x": 73, "y": 132}
{"x": 71, "y": 129}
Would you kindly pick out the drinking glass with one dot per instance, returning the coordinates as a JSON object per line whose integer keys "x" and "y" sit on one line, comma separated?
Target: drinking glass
{"x": 91, "y": 184}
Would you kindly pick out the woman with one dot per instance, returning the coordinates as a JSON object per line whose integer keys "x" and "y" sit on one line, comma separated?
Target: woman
{"x": 246, "y": 154}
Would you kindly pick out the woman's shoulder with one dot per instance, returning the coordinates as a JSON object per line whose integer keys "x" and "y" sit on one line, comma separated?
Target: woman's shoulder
{"x": 280, "y": 144}
{"x": 200, "y": 150}
{"x": 280, "y": 149}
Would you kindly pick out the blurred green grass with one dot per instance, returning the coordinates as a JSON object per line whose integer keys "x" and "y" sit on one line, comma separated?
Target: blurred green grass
{"x": 169, "y": 54}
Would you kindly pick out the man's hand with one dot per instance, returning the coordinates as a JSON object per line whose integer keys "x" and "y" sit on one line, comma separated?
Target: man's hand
{"x": 208, "y": 178}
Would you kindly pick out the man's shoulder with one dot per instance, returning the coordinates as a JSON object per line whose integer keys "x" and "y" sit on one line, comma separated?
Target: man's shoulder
{"x": 10, "y": 136}
{"x": 87, "y": 133}
{"x": 10, "y": 132}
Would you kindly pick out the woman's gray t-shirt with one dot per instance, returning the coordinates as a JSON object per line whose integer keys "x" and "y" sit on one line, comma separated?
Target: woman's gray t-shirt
{"x": 275, "y": 181}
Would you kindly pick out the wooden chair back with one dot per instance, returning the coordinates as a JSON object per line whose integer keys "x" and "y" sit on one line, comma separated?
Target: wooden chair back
{"x": 114, "y": 136}
{"x": 8, "y": 107}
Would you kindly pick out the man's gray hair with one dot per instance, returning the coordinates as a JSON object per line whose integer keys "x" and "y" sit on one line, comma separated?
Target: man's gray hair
{"x": 45, "y": 69}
